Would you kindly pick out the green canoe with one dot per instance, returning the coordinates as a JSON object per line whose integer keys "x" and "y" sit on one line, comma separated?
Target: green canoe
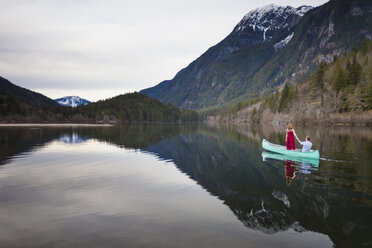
{"x": 282, "y": 157}
{"x": 314, "y": 154}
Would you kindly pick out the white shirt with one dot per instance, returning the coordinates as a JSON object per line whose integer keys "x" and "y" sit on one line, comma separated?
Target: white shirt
{"x": 306, "y": 146}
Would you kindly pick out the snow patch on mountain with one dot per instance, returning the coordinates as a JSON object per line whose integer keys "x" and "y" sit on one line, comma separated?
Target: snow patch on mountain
{"x": 283, "y": 42}
{"x": 301, "y": 11}
{"x": 72, "y": 101}
{"x": 269, "y": 220}
{"x": 282, "y": 197}
{"x": 270, "y": 17}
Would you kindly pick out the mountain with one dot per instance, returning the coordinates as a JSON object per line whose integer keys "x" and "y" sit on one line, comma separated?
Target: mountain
{"x": 337, "y": 93}
{"x": 21, "y": 105}
{"x": 268, "y": 47}
{"x": 72, "y": 101}
{"x": 27, "y": 95}
{"x": 256, "y": 27}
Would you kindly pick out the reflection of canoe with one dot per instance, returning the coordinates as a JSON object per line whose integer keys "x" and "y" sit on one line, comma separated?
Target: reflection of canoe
{"x": 314, "y": 154}
{"x": 282, "y": 157}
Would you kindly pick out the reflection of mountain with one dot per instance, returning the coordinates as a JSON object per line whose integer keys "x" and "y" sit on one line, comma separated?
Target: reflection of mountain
{"x": 229, "y": 166}
{"x": 19, "y": 140}
{"x": 235, "y": 174}
{"x": 23, "y": 139}
{"x": 73, "y": 138}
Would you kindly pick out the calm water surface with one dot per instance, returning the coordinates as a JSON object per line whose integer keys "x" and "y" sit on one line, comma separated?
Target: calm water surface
{"x": 182, "y": 186}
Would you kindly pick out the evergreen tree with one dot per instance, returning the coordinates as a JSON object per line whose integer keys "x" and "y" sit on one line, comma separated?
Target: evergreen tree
{"x": 284, "y": 98}
{"x": 254, "y": 116}
{"x": 368, "y": 91}
{"x": 272, "y": 101}
{"x": 339, "y": 78}
{"x": 355, "y": 72}
{"x": 319, "y": 76}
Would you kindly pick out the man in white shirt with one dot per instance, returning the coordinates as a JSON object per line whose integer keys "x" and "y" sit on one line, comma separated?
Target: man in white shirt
{"x": 306, "y": 145}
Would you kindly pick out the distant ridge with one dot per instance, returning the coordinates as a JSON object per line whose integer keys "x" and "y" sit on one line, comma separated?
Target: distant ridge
{"x": 25, "y": 94}
{"x": 19, "y": 105}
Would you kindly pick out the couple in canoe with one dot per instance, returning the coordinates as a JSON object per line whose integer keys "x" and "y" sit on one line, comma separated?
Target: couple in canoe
{"x": 289, "y": 139}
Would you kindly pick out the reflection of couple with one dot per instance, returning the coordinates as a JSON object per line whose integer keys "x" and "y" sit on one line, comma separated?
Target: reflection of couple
{"x": 290, "y": 170}
{"x": 290, "y": 142}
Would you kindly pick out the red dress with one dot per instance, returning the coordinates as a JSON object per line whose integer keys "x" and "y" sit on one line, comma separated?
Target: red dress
{"x": 289, "y": 169}
{"x": 290, "y": 141}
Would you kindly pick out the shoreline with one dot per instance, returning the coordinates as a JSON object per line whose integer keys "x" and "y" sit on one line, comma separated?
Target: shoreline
{"x": 245, "y": 116}
{"x": 53, "y": 125}
{"x": 285, "y": 123}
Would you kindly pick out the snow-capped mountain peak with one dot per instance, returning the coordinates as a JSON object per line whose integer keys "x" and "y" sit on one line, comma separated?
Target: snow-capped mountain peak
{"x": 72, "y": 101}
{"x": 271, "y": 17}
{"x": 302, "y": 10}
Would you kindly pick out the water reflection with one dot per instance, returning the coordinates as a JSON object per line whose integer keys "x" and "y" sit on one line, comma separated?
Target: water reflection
{"x": 292, "y": 165}
{"x": 73, "y": 138}
{"x": 305, "y": 162}
{"x": 327, "y": 196}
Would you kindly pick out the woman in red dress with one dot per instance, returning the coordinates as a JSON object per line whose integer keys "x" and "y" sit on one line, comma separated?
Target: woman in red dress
{"x": 289, "y": 138}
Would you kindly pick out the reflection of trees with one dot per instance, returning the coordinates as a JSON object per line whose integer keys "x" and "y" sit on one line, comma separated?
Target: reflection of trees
{"x": 16, "y": 140}
{"x": 333, "y": 142}
{"x": 228, "y": 164}
{"x": 135, "y": 136}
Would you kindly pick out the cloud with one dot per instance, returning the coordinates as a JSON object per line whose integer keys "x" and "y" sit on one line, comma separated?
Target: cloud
{"x": 116, "y": 45}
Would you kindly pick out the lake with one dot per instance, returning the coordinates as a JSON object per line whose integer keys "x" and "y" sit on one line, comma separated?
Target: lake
{"x": 183, "y": 186}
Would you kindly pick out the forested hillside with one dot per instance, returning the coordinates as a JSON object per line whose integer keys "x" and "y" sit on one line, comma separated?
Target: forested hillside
{"x": 338, "y": 92}
{"x": 25, "y": 94}
{"x": 132, "y": 107}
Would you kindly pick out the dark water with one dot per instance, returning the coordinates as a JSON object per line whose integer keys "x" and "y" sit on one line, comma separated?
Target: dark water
{"x": 182, "y": 186}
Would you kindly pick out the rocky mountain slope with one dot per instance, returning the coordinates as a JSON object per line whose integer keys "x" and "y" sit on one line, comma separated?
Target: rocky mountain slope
{"x": 337, "y": 93}
{"x": 270, "y": 46}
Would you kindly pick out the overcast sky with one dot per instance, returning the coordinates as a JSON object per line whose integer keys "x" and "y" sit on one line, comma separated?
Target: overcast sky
{"x": 101, "y": 48}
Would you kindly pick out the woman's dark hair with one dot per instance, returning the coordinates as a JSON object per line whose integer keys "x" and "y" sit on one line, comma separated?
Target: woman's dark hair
{"x": 307, "y": 137}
